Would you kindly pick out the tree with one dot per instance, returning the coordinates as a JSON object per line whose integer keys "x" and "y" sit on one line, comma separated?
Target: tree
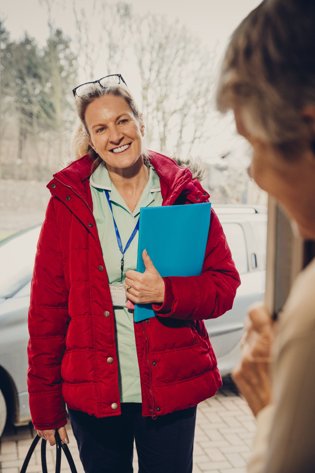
{"x": 36, "y": 103}
{"x": 5, "y": 81}
{"x": 25, "y": 63}
{"x": 59, "y": 68}
{"x": 177, "y": 83}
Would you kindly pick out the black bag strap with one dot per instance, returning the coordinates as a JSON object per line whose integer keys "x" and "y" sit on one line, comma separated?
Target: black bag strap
{"x": 59, "y": 448}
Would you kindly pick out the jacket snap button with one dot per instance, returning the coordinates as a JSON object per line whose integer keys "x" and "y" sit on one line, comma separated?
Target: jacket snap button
{"x": 154, "y": 363}
{"x": 68, "y": 197}
{"x": 110, "y": 360}
{"x": 90, "y": 225}
{"x": 107, "y": 313}
{"x": 114, "y": 405}
{"x": 53, "y": 186}
{"x": 158, "y": 409}
{"x": 100, "y": 267}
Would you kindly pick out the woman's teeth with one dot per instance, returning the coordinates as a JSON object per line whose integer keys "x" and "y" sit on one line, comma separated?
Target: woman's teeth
{"x": 120, "y": 149}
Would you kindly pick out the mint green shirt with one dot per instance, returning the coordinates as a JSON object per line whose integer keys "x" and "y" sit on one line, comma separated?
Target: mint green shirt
{"x": 129, "y": 378}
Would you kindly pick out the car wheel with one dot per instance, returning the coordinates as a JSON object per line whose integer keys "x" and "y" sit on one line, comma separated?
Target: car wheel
{"x": 3, "y": 413}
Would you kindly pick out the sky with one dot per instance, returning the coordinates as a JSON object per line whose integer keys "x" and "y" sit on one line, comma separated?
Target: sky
{"x": 211, "y": 20}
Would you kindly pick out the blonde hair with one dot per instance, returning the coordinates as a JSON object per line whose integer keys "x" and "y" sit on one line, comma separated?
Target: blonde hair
{"x": 80, "y": 141}
{"x": 269, "y": 70}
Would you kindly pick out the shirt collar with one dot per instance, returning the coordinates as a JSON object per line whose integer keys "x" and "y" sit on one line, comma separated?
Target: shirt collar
{"x": 100, "y": 179}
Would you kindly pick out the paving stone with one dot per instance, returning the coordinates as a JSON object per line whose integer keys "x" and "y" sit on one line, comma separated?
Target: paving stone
{"x": 10, "y": 470}
{"x": 7, "y": 456}
{"x": 210, "y": 466}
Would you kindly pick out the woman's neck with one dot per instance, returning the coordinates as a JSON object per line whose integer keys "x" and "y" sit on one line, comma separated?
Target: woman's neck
{"x": 130, "y": 182}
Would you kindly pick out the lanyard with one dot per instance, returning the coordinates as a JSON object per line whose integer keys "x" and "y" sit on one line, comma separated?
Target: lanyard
{"x": 119, "y": 242}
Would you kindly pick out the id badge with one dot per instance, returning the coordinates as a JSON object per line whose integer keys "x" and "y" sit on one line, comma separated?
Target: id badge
{"x": 118, "y": 293}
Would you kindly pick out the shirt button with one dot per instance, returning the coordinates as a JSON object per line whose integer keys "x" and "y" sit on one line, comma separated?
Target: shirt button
{"x": 53, "y": 186}
{"x": 158, "y": 409}
{"x": 110, "y": 360}
{"x": 90, "y": 225}
{"x": 106, "y": 313}
{"x": 114, "y": 405}
{"x": 100, "y": 267}
{"x": 68, "y": 197}
{"x": 154, "y": 363}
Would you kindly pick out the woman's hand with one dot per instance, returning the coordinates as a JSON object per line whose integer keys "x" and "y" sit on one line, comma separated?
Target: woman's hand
{"x": 252, "y": 375}
{"x": 147, "y": 287}
{"x": 50, "y": 435}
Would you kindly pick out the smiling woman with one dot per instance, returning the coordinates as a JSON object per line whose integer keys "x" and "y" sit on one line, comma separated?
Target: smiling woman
{"x": 121, "y": 381}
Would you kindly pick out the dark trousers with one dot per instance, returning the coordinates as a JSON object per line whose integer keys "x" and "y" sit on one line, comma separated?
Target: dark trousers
{"x": 164, "y": 445}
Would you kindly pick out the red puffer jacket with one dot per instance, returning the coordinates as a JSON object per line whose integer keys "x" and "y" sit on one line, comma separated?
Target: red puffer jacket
{"x": 72, "y": 347}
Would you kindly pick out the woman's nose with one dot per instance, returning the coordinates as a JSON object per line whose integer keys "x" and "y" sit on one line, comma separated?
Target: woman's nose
{"x": 115, "y": 136}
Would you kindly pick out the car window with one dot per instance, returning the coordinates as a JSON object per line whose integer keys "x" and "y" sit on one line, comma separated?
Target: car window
{"x": 17, "y": 256}
{"x": 236, "y": 239}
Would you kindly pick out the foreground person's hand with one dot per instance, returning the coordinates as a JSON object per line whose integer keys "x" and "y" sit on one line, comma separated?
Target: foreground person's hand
{"x": 252, "y": 375}
{"x": 49, "y": 435}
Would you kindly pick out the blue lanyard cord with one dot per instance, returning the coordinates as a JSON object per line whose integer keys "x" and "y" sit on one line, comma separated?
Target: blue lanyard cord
{"x": 118, "y": 238}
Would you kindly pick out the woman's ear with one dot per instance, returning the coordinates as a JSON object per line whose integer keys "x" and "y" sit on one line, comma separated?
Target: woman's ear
{"x": 142, "y": 127}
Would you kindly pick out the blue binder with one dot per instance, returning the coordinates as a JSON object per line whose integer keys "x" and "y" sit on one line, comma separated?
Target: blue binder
{"x": 175, "y": 238}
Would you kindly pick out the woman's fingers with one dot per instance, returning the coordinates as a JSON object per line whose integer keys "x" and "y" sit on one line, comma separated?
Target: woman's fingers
{"x": 49, "y": 435}
{"x": 63, "y": 435}
{"x": 131, "y": 284}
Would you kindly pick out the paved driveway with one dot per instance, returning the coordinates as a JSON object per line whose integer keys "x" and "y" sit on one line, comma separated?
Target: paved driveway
{"x": 224, "y": 436}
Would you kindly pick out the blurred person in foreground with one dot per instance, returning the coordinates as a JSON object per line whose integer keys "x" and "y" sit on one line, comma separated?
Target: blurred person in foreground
{"x": 268, "y": 81}
{"x": 121, "y": 382}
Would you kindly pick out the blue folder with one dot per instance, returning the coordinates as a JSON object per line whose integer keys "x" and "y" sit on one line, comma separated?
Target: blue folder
{"x": 175, "y": 238}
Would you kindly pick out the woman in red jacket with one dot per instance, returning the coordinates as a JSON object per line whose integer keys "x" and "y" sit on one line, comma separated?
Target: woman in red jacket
{"x": 120, "y": 381}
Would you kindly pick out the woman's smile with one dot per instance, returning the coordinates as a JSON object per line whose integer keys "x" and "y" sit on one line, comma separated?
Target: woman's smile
{"x": 120, "y": 149}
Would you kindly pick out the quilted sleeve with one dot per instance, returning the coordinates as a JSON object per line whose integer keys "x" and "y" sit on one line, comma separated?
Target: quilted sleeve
{"x": 47, "y": 322}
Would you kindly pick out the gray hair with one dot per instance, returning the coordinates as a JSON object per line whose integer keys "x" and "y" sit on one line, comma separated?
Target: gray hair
{"x": 269, "y": 70}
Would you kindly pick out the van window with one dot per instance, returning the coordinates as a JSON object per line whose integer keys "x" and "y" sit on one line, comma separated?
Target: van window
{"x": 236, "y": 239}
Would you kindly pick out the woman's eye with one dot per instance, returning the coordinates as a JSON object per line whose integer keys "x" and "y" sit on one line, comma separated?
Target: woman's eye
{"x": 123, "y": 121}
{"x": 100, "y": 130}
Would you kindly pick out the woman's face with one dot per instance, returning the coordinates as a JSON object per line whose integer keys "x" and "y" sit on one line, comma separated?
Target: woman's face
{"x": 290, "y": 181}
{"x": 115, "y": 133}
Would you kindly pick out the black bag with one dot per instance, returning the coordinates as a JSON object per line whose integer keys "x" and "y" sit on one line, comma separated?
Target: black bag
{"x": 59, "y": 447}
